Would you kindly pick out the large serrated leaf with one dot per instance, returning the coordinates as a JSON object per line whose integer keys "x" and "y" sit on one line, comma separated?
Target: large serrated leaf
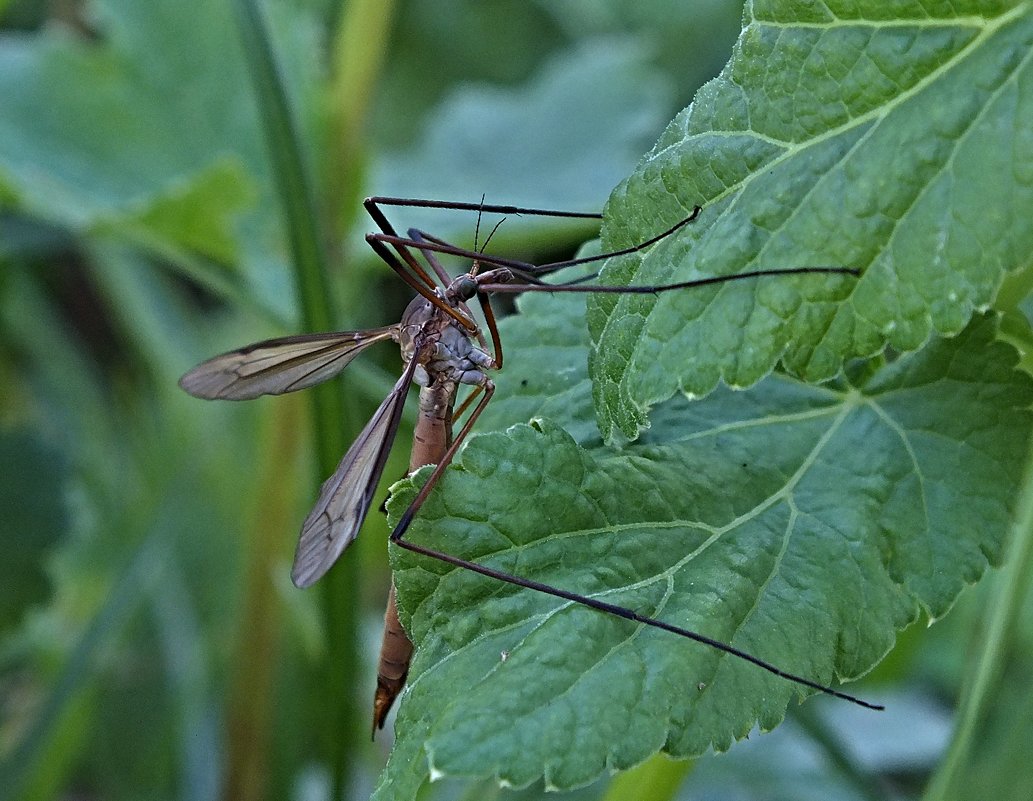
{"x": 803, "y": 525}
{"x": 889, "y": 138}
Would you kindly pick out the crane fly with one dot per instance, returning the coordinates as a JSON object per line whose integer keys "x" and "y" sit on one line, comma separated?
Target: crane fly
{"x": 443, "y": 348}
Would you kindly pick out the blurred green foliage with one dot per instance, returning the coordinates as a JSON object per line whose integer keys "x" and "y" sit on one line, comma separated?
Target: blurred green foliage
{"x": 152, "y": 646}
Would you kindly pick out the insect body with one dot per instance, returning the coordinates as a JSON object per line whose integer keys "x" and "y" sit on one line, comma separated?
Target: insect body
{"x": 443, "y": 349}
{"x": 440, "y": 355}
{"x": 454, "y": 359}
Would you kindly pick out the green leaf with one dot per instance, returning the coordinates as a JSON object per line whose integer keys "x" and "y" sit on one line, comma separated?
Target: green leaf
{"x": 803, "y": 525}
{"x": 85, "y": 140}
{"x": 137, "y": 136}
{"x": 894, "y": 138}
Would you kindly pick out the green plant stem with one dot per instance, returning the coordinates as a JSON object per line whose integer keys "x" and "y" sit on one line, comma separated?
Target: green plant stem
{"x": 658, "y": 779}
{"x": 1005, "y": 604}
{"x": 360, "y": 45}
{"x": 250, "y": 714}
{"x": 339, "y": 736}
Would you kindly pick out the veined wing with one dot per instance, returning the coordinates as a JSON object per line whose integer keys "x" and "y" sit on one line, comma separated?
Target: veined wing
{"x": 345, "y": 497}
{"x": 275, "y": 366}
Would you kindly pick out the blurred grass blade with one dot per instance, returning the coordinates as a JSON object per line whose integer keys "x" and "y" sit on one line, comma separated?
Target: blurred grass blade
{"x": 1002, "y": 612}
{"x": 359, "y": 50}
{"x": 187, "y": 665}
{"x": 288, "y": 162}
{"x": 310, "y": 275}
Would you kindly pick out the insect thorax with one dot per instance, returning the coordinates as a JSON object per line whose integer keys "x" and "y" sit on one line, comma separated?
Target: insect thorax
{"x": 447, "y": 352}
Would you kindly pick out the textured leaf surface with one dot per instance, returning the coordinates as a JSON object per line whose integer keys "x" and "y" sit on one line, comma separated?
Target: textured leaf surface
{"x": 804, "y": 525}
{"x": 895, "y": 138}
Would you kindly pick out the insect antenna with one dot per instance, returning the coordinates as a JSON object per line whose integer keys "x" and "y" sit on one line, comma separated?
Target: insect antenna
{"x": 477, "y": 226}
{"x": 491, "y": 233}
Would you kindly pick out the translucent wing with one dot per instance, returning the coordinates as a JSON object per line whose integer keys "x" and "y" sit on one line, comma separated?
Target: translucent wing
{"x": 345, "y": 497}
{"x": 275, "y": 366}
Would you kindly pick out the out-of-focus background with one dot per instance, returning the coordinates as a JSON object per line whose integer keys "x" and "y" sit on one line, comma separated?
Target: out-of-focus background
{"x": 151, "y": 643}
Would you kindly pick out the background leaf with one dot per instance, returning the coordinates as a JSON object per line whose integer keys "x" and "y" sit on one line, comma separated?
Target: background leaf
{"x": 166, "y": 151}
{"x": 593, "y": 111}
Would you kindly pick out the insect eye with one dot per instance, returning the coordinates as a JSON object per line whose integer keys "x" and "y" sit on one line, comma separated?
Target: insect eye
{"x": 466, "y": 287}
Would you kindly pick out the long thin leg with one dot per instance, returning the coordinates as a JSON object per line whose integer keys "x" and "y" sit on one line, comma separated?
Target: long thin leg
{"x": 545, "y": 269}
{"x": 493, "y": 329}
{"x": 439, "y": 269}
{"x": 527, "y": 270}
{"x": 384, "y": 225}
{"x": 445, "y": 246}
{"x": 458, "y": 413}
{"x": 519, "y": 268}
{"x": 398, "y": 537}
{"x": 439, "y": 246}
{"x": 393, "y": 262}
{"x": 372, "y": 206}
{"x": 417, "y": 502}
{"x": 656, "y": 289}
{"x": 627, "y": 614}
{"x": 373, "y": 202}
{"x": 401, "y": 246}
